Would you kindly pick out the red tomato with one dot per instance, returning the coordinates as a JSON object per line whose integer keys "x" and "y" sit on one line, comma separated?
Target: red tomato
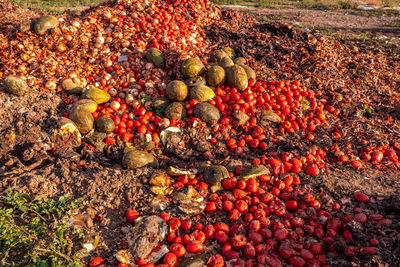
{"x": 187, "y": 224}
{"x": 209, "y": 231}
{"x": 194, "y": 246}
{"x": 131, "y": 215}
{"x": 281, "y": 234}
{"x": 178, "y": 249}
{"x": 96, "y": 261}
{"x": 291, "y": 205}
{"x": 216, "y": 261}
{"x": 297, "y": 261}
{"x": 229, "y": 183}
{"x": 360, "y": 197}
{"x": 376, "y": 156}
{"x": 221, "y": 236}
{"x": 174, "y": 223}
{"x": 170, "y": 259}
{"x": 306, "y": 254}
{"x": 249, "y": 251}
{"x": 312, "y": 170}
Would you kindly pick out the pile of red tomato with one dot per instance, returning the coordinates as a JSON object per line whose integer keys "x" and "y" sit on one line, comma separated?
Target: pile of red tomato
{"x": 267, "y": 221}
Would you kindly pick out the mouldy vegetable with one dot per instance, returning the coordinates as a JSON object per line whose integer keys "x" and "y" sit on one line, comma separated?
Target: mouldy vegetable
{"x": 66, "y": 128}
{"x": 207, "y": 112}
{"x": 105, "y": 125}
{"x": 215, "y": 174}
{"x": 175, "y": 110}
{"x": 136, "y": 159}
{"x": 155, "y": 56}
{"x": 254, "y": 171}
{"x": 46, "y": 23}
{"x": 83, "y": 119}
{"x": 237, "y": 77}
{"x": 202, "y": 93}
{"x": 97, "y": 95}
{"x": 192, "y": 82}
{"x": 192, "y": 67}
{"x": 15, "y": 85}
{"x": 215, "y": 76}
{"x": 177, "y": 90}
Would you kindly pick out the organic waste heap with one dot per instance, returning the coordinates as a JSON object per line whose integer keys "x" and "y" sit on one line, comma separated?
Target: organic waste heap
{"x": 186, "y": 80}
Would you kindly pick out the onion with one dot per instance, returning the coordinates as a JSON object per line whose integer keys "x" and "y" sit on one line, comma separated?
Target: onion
{"x": 129, "y": 99}
{"x": 112, "y": 92}
{"x": 51, "y": 85}
{"x": 115, "y": 105}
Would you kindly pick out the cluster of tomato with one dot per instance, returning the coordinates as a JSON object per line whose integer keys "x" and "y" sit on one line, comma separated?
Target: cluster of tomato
{"x": 264, "y": 220}
{"x": 297, "y": 109}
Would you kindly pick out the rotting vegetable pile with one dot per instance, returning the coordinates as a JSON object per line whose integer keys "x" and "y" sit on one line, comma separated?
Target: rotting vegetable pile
{"x": 201, "y": 136}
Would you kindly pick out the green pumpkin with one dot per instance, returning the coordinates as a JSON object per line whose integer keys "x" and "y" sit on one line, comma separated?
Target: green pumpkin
{"x": 218, "y": 55}
{"x": 86, "y": 104}
{"x": 155, "y": 56}
{"x": 192, "y": 67}
{"x": 45, "y": 23}
{"x": 177, "y": 90}
{"x": 240, "y": 61}
{"x": 230, "y": 52}
{"x": 237, "y": 77}
{"x": 97, "y": 95}
{"x": 251, "y": 74}
{"x": 207, "y": 112}
{"x": 105, "y": 125}
{"x": 215, "y": 76}
{"x": 202, "y": 93}
{"x": 226, "y": 62}
{"x": 83, "y": 119}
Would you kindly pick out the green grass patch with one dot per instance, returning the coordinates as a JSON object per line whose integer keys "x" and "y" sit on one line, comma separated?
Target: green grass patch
{"x": 324, "y": 28}
{"x": 376, "y": 12}
{"x": 55, "y": 6}
{"x": 327, "y": 4}
{"x": 395, "y": 23}
{"x": 275, "y": 3}
{"x": 34, "y": 231}
{"x": 272, "y": 17}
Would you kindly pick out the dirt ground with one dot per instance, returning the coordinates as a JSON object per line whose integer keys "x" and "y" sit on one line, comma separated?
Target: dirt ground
{"x": 27, "y": 164}
{"x": 338, "y": 20}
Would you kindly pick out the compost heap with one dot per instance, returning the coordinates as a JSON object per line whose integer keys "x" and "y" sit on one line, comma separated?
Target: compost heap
{"x": 209, "y": 120}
